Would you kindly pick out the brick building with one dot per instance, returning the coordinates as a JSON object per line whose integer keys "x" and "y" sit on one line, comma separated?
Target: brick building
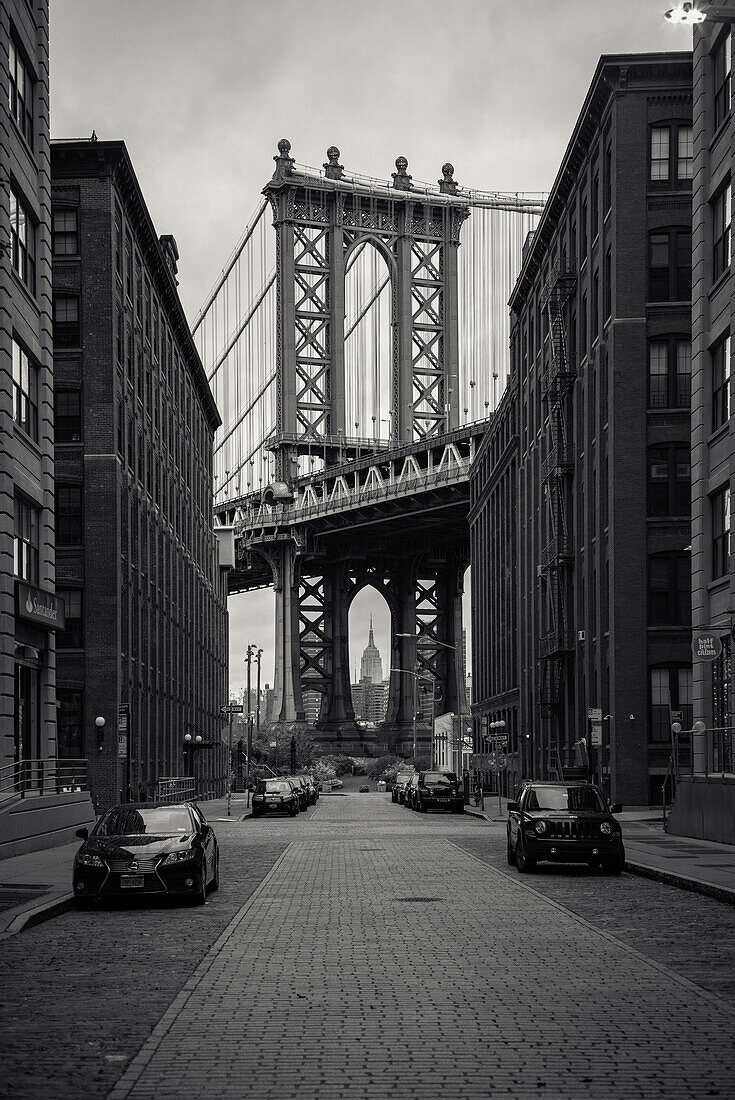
{"x": 601, "y": 369}
{"x": 145, "y": 642}
{"x": 705, "y": 798}
{"x": 29, "y": 610}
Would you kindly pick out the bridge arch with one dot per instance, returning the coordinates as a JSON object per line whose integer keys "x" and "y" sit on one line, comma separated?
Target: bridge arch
{"x": 369, "y": 339}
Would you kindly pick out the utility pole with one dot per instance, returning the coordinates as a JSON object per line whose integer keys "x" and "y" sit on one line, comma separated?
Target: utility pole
{"x": 257, "y": 700}
{"x": 248, "y": 661}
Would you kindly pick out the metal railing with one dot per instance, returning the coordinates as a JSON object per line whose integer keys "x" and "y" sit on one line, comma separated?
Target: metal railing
{"x": 26, "y": 778}
{"x": 175, "y": 788}
{"x": 705, "y": 752}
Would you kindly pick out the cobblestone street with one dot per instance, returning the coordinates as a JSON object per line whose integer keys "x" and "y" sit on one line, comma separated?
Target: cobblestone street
{"x": 364, "y": 950}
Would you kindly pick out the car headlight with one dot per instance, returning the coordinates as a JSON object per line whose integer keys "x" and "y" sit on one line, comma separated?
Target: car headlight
{"x": 178, "y": 857}
{"x": 606, "y": 828}
{"x": 540, "y": 828}
{"x": 86, "y": 860}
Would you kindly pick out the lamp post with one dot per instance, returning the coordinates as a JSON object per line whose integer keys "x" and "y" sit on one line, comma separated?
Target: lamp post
{"x": 408, "y": 672}
{"x": 497, "y": 738}
{"x": 613, "y": 757}
{"x": 100, "y": 728}
{"x": 445, "y": 645}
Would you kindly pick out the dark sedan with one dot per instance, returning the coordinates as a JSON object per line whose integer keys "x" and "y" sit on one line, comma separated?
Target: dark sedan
{"x": 147, "y": 849}
{"x": 564, "y": 823}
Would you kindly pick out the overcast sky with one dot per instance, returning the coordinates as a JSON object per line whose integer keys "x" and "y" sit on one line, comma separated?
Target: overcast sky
{"x": 201, "y": 91}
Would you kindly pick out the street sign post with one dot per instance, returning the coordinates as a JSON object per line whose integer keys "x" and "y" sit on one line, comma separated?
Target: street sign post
{"x": 231, "y": 708}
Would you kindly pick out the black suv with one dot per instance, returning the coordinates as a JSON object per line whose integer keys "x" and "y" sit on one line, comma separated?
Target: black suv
{"x": 275, "y": 796}
{"x": 564, "y": 823}
{"x": 438, "y": 790}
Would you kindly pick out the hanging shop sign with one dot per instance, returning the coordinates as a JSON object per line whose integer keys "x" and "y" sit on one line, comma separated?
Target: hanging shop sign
{"x": 39, "y": 607}
{"x": 706, "y": 646}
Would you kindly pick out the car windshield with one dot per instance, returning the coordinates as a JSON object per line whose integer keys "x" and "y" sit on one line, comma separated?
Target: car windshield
{"x": 565, "y": 798}
{"x": 276, "y": 787}
{"x": 132, "y": 821}
{"x": 440, "y": 777}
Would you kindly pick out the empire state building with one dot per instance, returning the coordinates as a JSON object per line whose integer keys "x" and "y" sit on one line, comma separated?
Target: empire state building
{"x": 371, "y": 666}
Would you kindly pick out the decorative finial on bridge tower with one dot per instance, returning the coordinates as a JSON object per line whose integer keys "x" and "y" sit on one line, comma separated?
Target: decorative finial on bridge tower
{"x": 284, "y": 163}
{"x": 401, "y": 178}
{"x": 447, "y": 183}
{"x": 333, "y": 170}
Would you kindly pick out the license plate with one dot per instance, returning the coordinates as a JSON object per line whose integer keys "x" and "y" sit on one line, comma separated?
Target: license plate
{"x": 131, "y": 882}
{"x": 273, "y": 798}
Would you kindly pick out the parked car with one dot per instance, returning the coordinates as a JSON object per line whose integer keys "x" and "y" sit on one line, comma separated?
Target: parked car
{"x": 399, "y": 787}
{"x": 302, "y": 789}
{"x": 564, "y": 823}
{"x": 364, "y": 789}
{"x": 410, "y": 791}
{"x": 312, "y": 788}
{"x": 438, "y": 790}
{"x": 275, "y": 796}
{"x": 147, "y": 849}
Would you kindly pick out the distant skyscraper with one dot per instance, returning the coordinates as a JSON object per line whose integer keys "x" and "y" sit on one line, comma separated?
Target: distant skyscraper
{"x": 371, "y": 666}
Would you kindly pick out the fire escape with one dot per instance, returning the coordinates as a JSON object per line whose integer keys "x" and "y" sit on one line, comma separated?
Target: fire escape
{"x": 556, "y": 646}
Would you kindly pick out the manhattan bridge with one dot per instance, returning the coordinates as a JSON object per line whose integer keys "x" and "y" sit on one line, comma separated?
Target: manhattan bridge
{"x": 356, "y": 344}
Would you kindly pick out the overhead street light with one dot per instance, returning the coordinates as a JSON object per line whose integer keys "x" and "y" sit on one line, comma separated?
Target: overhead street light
{"x": 691, "y": 15}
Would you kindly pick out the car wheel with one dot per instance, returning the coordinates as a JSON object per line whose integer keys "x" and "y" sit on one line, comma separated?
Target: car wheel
{"x": 614, "y": 866}
{"x": 422, "y": 806}
{"x": 510, "y": 854}
{"x": 201, "y": 895}
{"x": 593, "y": 864}
{"x": 524, "y": 863}
{"x": 214, "y": 885}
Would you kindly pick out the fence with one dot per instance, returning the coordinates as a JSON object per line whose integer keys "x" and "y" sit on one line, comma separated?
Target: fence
{"x": 707, "y": 752}
{"x": 42, "y": 777}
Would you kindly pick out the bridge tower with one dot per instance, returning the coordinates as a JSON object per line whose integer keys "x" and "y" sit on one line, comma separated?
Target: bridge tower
{"x": 320, "y": 221}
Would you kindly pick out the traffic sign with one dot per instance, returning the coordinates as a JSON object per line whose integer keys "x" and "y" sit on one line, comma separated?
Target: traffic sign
{"x": 231, "y": 708}
{"x": 594, "y": 714}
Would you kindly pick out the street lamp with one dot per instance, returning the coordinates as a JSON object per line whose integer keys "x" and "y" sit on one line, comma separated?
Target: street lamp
{"x": 100, "y": 726}
{"x": 497, "y": 738}
{"x": 415, "y": 675}
{"x": 613, "y": 757}
{"x": 690, "y": 15}
{"x": 446, "y": 645}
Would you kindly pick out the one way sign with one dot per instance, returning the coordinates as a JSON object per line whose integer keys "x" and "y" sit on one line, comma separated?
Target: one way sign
{"x": 231, "y": 708}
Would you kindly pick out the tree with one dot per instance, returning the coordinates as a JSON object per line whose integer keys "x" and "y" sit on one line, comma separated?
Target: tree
{"x": 384, "y": 767}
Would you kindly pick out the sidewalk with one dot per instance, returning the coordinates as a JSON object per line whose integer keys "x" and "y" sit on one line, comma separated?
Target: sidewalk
{"x": 698, "y": 865}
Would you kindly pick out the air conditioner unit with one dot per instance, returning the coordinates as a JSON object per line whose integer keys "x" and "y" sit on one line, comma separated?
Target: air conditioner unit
{"x": 580, "y": 635}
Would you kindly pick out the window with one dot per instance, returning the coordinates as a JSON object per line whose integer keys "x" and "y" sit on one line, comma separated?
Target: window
{"x": 595, "y": 316}
{"x": 66, "y": 321}
{"x": 72, "y": 636}
{"x": 583, "y": 233}
{"x": 583, "y": 327}
{"x": 720, "y": 355}
{"x": 721, "y": 70}
{"x": 608, "y": 285}
{"x": 129, "y": 266}
{"x": 120, "y": 339}
{"x": 69, "y": 515}
{"x": 595, "y": 204}
{"x": 20, "y": 93}
{"x": 660, "y": 155}
{"x": 672, "y": 153}
{"x": 607, "y": 179}
{"x": 669, "y": 589}
{"x": 25, "y": 392}
{"x": 22, "y": 241}
{"x": 70, "y": 725}
{"x": 685, "y": 153}
{"x": 669, "y": 373}
{"x": 669, "y": 480}
{"x": 670, "y": 266}
{"x": 67, "y": 416}
{"x": 65, "y": 235}
{"x": 721, "y": 533}
{"x": 670, "y": 688}
{"x": 25, "y": 541}
{"x": 721, "y": 218}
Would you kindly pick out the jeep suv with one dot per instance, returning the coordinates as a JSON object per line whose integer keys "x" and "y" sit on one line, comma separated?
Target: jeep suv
{"x": 438, "y": 791}
{"x": 564, "y": 823}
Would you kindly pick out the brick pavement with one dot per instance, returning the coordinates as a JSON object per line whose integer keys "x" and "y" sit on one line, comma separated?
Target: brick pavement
{"x": 346, "y": 974}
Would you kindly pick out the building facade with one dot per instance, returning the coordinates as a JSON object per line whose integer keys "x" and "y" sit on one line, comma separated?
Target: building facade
{"x": 494, "y": 531}
{"x": 143, "y": 657}
{"x": 29, "y": 610}
{"x": 601, "y": 368}
{"x": 705, "y": 798}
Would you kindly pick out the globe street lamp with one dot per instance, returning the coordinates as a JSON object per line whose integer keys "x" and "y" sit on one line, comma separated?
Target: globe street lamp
{"x": 497, "y": 739}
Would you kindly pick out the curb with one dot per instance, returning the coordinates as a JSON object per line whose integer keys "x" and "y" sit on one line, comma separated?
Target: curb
{"x": 670, "y": 878}
{"x": 38, "y": 914}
